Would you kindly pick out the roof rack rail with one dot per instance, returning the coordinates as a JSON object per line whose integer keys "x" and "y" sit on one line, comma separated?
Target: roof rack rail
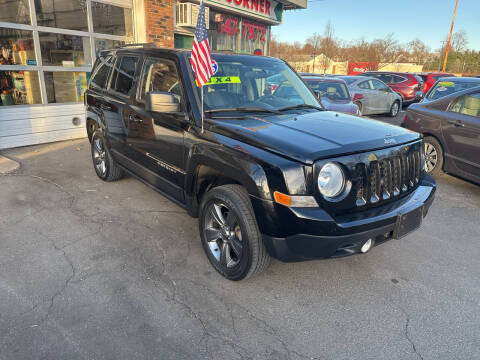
{"x": 137, "y": 45}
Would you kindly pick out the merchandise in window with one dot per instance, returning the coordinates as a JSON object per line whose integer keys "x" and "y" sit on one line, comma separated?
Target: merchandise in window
{"x": 16, "y": 11}
{"x": 64, "y": 14}
{"x": 65, "y": 50}
{"x": 104, "y": 44}
{"x": 123, "y": 76}
{"x": 16, "y": 47}
{"x": 19, "y": 88}
{"x": 65, "y": 86}
{"x": 112, "y": 20}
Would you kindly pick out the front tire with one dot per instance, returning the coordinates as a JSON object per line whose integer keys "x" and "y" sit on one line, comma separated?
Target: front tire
{"x": 105, "y": 167}
{"x": 394, "y": 109}
{"x": 433, "y": 156}
{"x": 230, "y": 235}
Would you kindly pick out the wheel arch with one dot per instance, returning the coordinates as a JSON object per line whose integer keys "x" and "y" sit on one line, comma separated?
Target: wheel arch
{"x": 430, "y": 134}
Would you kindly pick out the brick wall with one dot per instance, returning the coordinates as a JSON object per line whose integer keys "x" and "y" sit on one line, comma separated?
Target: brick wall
{"x": 159, "y": 22}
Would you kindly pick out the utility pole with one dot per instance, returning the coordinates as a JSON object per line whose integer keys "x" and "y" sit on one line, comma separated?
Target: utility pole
{"x": 450, "y": 37}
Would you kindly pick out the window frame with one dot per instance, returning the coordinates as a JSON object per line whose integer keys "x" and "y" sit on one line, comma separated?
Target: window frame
{"x": 119, "y": 57}
{"x": 92, "y": 36}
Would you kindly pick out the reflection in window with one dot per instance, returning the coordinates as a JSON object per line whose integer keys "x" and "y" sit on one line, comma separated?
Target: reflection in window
{"x": 19, "y": 88}
{"x": 104, "y": 67}
{"x": 104, "y": 44}
{"x": 113, "y": 20}
{"x": 65, "y": 50}
{"x": 64, "y": 14}
{"x": 15, "y": 11}
{"x": 65, "y": 86}
{"x": 123, "y": 75}
{"x": 16, "y": 47}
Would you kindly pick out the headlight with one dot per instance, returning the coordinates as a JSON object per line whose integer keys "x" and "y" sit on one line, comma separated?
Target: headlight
{"x": 331, "y": 180}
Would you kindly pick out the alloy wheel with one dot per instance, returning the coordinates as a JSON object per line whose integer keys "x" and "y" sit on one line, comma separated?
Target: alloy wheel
{"x": 99, "y": 155}
{"x": 223, "y": 234}
{"x": 395, "y": 108}
{"x": 431, "y": 157}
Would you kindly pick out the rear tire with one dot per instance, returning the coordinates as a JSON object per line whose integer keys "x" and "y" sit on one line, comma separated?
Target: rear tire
{"x": 433, "y": 156}
{"x": 230, "y": 235}
{"x": 105, "y": 166}
{"x": 394, "y": 109}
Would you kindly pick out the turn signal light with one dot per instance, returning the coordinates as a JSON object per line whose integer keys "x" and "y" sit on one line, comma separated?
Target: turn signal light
{"x": 294, "y": 201}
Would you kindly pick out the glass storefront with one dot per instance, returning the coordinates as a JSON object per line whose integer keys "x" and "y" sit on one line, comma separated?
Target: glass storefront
{"x": 48, "y": 60}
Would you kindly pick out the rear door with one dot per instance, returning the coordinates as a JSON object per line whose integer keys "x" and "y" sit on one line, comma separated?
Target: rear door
{"x": 157, "y": 139}
{"x": 461, "y": 131}
{"x": 369, "y": 97}
{"x": 117, "y": 98}
{"x": 383, "y": 95}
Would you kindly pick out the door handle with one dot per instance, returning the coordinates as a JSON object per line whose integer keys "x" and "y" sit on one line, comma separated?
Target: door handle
{"x": 456, "y": 123}
{"x": 135, "y": 118}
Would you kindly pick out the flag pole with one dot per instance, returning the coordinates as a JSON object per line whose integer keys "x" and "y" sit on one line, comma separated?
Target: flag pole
{"x": 201, "y": 89}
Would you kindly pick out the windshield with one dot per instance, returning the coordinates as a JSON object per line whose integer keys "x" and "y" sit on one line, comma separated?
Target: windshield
{"x": 444, "y": 88}
{"x": 255, "y": 82}
{"x": 329, "y": 90}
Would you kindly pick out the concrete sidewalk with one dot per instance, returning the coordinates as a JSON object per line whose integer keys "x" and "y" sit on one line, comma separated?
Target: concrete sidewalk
{"x": 7, "y": 165}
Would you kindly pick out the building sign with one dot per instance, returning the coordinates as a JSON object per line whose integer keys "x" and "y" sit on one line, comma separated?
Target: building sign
{"x": 355, "y": 68}
{"x": 248, "y": 30}
{"x": 267, "y": 10}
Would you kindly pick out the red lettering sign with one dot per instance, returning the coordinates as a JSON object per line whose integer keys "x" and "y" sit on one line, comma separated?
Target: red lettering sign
{"x": 230, "y": 26}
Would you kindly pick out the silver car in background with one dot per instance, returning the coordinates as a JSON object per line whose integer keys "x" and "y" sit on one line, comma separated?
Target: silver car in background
{"x": 373, "y": 96}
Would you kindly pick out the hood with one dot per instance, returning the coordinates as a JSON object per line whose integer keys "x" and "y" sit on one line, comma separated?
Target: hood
{"x": 313, "y": 135}
{"x": 344, "y": 106}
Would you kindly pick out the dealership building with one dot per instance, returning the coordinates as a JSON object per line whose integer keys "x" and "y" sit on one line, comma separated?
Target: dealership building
{"x": 48, "y": 47}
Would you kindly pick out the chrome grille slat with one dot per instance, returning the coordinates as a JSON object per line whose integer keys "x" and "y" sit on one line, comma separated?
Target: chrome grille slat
{"x": 384, "y": 179}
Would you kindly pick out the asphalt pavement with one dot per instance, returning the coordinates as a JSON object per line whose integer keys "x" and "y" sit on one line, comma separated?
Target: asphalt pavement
{"x": 93, "y": 270}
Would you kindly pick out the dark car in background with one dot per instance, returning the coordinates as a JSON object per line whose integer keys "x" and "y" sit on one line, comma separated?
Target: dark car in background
{"x": 408, "y": 86}
{"x": 451, "y": 127}
{"x": 373, "y": 96}
{"x": 449, "y": 85}
{"x": 429, "y": 79}
{"x": 333, "y": 92}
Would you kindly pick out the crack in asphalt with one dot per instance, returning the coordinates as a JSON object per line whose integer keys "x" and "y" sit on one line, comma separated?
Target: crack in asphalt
{"x": 407, "y": 336}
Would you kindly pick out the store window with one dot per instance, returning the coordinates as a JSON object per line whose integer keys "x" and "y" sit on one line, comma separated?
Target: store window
{"x": 16, "y": 47}
{"x": 65, "y": 50}
{"x": 105, "y": 44}
{"x": 64, "y": 14}
{"x": 65, "y": 86}
{"x": 112, "y": 20}
{"x": 19, "y": 88}
{"x": 123, "y": 75}
{"x": 15, "y": 11}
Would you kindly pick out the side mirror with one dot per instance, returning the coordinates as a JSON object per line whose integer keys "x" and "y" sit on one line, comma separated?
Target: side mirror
{"x": 162, "y": 102}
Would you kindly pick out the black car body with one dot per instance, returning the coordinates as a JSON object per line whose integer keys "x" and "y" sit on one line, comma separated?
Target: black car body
{"x": 451, "y": 126}
{"x": 266, "y": 158}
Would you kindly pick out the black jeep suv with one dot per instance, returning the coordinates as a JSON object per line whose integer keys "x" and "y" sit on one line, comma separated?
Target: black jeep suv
{"x": 271, "y": 173}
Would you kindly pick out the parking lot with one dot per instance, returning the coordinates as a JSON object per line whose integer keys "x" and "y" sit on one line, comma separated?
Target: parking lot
{"x": 93, "y": 270}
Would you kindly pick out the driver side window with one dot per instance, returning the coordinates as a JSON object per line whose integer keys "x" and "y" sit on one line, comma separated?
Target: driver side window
{"x": 160, "y": 75}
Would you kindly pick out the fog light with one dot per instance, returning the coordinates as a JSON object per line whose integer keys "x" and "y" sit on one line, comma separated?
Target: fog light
{"x": 367, "y": 246}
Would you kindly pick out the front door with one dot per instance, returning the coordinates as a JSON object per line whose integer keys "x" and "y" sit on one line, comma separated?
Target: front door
{"x": 461, "y": 130}
{"x": 383, "y": 95}
{"x": 158, "y": 138}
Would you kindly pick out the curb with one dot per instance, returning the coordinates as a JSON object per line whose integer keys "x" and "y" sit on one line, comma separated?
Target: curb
{"x": 7, "y": 165}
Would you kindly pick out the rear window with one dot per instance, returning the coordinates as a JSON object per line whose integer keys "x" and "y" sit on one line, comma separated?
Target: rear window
{"x": 330, "y": 90}
{"x": 444, "y": 88}
{"x": 102, "y": 71}
{"x": 124, "y": 73}
{"x": 418, "y": 78}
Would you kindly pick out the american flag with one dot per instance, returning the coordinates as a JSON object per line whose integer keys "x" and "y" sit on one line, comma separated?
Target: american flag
{"x": 201, "y": 55}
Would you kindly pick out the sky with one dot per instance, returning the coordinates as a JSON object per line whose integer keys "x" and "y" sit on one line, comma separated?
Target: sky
{"x": 429, "y": 20}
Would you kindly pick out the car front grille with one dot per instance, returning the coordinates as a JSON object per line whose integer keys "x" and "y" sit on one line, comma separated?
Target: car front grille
{"x": 387, "y": 178}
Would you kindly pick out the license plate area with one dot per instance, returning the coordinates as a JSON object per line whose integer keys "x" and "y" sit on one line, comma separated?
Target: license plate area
{"x": 406, "y": 223}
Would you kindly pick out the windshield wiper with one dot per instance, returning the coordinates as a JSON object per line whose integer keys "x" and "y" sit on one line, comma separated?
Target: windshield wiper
{"x": 243, "y": 109}
{"x": 302, "y": 106}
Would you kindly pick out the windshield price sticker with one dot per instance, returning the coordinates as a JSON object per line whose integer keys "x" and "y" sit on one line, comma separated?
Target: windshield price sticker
{"x": 214, "y": 80}
{"x": 447, "y": 83}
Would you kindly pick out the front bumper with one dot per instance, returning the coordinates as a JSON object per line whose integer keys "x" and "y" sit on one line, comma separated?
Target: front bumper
{"x": 317, "y": 235}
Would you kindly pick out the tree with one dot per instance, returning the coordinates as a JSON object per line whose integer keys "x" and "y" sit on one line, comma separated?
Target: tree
{"x": 419, "y": 52}
{"x": 328, "y": 46}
